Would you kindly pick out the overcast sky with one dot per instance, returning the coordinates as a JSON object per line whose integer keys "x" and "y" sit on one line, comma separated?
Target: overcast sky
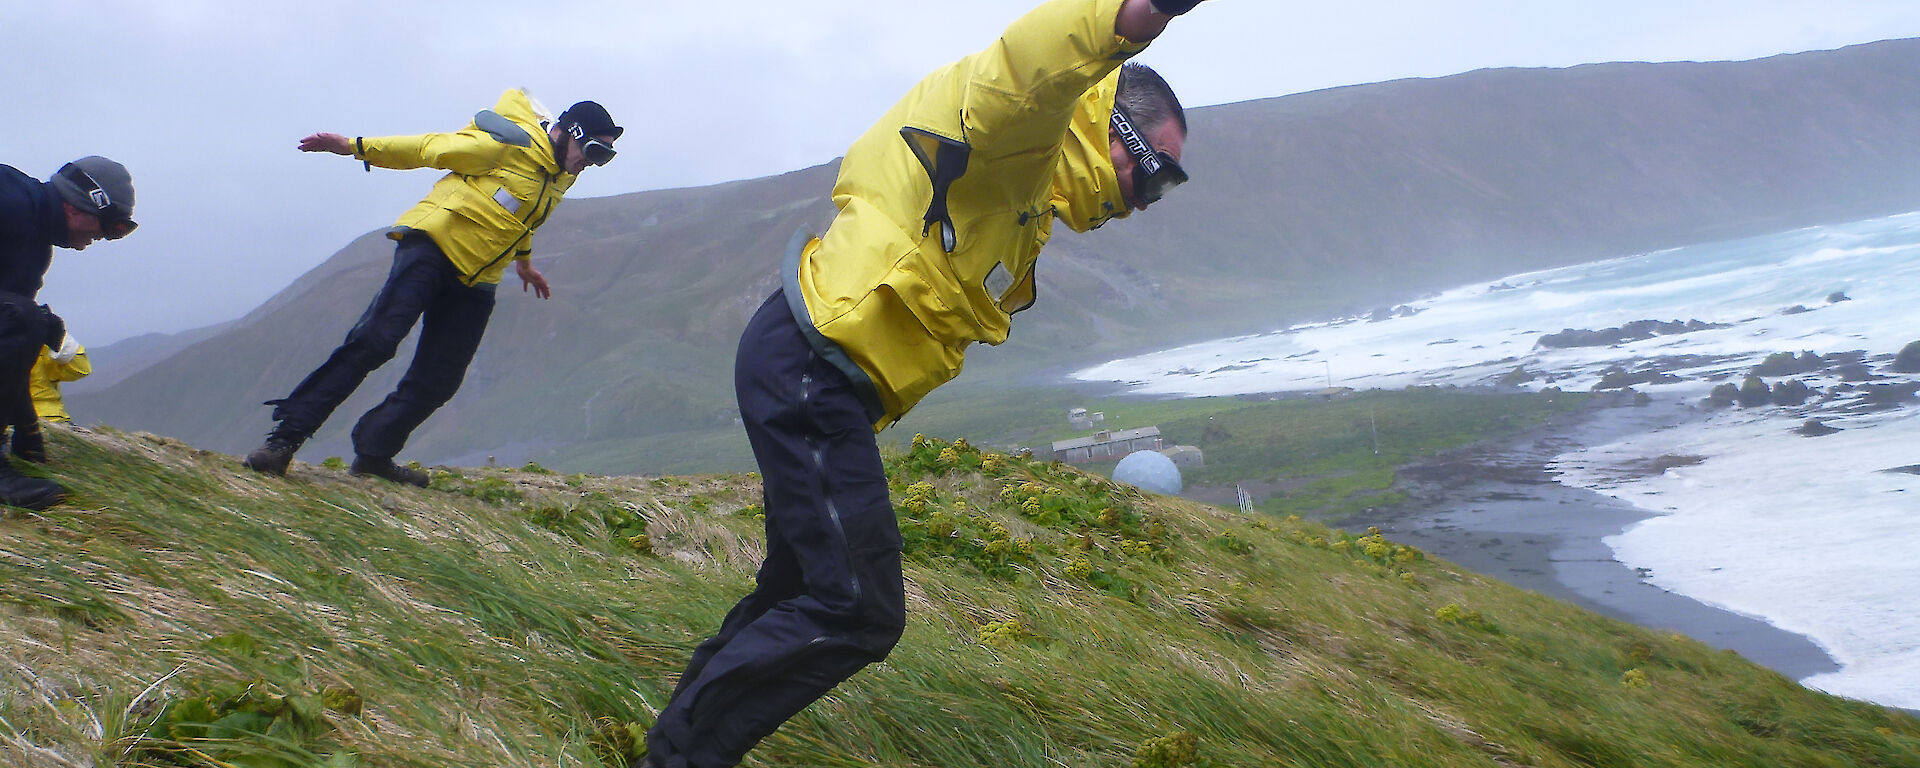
{"x": 204, "y": 100}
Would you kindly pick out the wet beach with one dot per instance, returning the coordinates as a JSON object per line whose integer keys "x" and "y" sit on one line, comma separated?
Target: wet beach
{"x": 1496, "y": 509}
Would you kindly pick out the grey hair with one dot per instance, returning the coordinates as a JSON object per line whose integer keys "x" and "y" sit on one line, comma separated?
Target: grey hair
{"x": 1149, "y": 101}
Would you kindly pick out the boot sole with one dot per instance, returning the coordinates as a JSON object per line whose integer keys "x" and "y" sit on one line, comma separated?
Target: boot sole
{"x": 395, "y": 480}
{"x": 41, "y": 501}
{"x": 265, "y": 469}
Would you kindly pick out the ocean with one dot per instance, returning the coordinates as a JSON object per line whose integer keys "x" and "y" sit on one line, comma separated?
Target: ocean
{"x": 1808, "y": 526}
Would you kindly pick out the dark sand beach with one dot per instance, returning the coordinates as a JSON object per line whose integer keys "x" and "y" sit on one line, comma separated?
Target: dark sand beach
{"x": 1496, "y": 509}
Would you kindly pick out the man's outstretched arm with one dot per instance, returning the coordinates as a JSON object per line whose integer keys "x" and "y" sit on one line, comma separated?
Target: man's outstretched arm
{"x": 466, "y": 152}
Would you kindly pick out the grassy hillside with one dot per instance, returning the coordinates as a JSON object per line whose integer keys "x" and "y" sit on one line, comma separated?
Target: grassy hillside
{"x": 179, "y": 612}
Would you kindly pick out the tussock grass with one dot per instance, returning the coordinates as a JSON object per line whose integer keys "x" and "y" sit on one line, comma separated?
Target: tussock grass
{"x": 525, "y": 618}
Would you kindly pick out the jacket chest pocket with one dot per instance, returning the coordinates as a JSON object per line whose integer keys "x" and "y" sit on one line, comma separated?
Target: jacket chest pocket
{"x": 1019, "y": 290}
{"x": 504, "y": 197}
{"x": 517, "y": 195}
{"x": 999, "y": 281}
{"x": 1009, "y": 282}
{"x": 995, "y": 264}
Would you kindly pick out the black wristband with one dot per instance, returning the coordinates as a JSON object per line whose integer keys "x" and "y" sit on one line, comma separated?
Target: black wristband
{"x": 1173, "y": 7}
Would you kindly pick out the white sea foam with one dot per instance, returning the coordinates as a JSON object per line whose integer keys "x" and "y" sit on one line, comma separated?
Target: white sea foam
{"x": 1812, "y": 534}
{"x": 1809, "y": 533}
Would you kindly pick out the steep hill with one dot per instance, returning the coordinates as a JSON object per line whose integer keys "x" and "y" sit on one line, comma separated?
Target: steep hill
{"x": 1302, "y": 206}
{"x": 127, "y": 357}
{"x": 181, "y": 612}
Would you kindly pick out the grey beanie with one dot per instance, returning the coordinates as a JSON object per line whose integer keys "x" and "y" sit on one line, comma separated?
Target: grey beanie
{"x": 96, "y": 185}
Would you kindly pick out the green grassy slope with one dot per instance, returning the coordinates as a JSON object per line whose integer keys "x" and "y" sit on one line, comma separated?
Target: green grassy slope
{"x": 179, "y": 611}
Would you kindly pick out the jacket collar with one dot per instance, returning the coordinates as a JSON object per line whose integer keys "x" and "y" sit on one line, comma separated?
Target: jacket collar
{"x": 53, "y": 222}
{"x": 1086, "y": 188}
{"x": 519, "y": 106}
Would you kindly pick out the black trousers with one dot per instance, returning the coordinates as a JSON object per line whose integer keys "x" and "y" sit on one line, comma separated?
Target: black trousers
{"x": 829, "y": 599}
{"x": 23, "y": 331}
{"x": 424, "y": 286}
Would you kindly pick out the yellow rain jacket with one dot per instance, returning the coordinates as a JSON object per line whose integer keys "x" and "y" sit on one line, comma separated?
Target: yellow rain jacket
{"x": 504, "y": 183}
{"x": 44, "y": 383}
{"x": 945, "y": 203}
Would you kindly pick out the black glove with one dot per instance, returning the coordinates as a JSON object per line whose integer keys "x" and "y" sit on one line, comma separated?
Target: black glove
{"x": 1173, "y": 7}
{"x": 56, "y": 328}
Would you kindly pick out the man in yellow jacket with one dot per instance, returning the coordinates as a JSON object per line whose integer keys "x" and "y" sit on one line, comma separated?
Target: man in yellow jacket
{"x": 68, "y": 363}
{"x": 506, "y": 172}
{"x": 943, "y": 206}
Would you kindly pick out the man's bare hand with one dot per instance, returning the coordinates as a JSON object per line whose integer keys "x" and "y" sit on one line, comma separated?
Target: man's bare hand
{"x": 327, "y": 142}
{"x": 1142, "y": 21}
{"x": 531, "y": 278}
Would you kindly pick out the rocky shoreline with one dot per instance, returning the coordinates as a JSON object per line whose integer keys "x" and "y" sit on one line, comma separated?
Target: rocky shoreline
{"x": 1496, "y": 509}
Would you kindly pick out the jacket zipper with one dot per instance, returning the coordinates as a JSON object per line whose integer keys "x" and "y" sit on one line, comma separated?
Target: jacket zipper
{"x": 545, "y": 180}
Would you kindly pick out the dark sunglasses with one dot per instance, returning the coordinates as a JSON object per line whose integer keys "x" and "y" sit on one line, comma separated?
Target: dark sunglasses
{"x": 596, "y": 152}
{"x": 115, "y": 221}
{"x": 1154, "y": 172}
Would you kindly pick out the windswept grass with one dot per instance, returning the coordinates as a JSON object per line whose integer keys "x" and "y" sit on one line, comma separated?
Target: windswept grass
{"x": 182, "y": 612}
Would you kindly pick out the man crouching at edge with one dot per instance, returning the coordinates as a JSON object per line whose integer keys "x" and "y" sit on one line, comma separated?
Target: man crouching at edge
{"x": 944, "y": 205}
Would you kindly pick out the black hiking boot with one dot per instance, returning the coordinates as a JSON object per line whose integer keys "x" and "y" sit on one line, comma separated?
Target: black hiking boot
{"x": 31, "y": 492}
{"x": 30, "y": 443}
{"x": 385, "y": 469}
{"x": 273, "y": 457}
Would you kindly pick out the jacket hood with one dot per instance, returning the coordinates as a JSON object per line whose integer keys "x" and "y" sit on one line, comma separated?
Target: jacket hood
{"x": 522, "y": 108}
{"x": 519, "y": 106}
{"x": 1086, "y": 188}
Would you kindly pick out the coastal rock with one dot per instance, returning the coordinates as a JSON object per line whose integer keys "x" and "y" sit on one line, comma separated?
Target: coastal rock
{"x": 1797, "y": 309}
{"x": 1722, "y": 396}
{"x": 1814, "y": 428}
{"x": 1910, "y": 469}
{"x": 1659, "y": 465}
{"x": 1884, "y": 396}
{"x": 1518, "y": 376}
{"x": 1620, "y": 378}
{"x": 1791, "y": 392}
{"x": 1753, "y": 393}
{"x": 1837, "y": 297}
{"x": 1908, "y": 361}
{"x": 1635, "y": 331}
{"x": 1854, "y": 372}
{"x": 1788, "y": 364}
{"x": 1384, "y": 313}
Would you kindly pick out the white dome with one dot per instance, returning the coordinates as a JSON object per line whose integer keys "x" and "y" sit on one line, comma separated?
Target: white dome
{"x": 1149, "y": 471}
